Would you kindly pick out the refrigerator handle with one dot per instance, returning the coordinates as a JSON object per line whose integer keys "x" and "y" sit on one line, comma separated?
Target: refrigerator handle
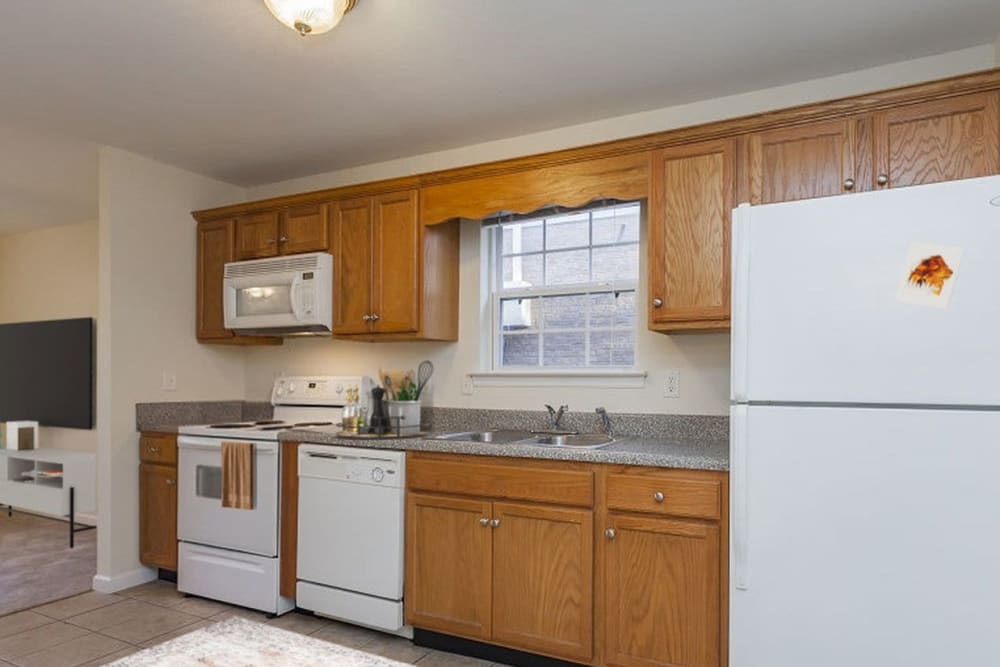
{"x": 739, "y": 490}
{"x": 740, "y": 296}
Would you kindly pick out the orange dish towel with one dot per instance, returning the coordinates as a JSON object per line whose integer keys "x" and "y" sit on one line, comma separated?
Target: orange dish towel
{"x": 237, "y": 475}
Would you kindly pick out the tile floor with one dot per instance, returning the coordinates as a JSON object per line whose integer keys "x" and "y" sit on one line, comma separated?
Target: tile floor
{"x": 95, "y": 629}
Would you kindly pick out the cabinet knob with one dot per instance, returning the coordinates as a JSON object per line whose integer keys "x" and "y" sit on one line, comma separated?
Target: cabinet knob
{"x": 283, "y": 239}
{"x": 658, "y": 496}
{"x": 495, "y": 523}
{"x": 484, "y": 522}
{"x": 882, "y": 179}
{"x": 154, "y": 450}
{"x": 375, "y": 317}
{"x": 366, "y": 317}
{"x": 657, "y": 302}
{"x": 171, "y": 482}
{"x": 610, "y": 533}
{"x": 848, "y": 183}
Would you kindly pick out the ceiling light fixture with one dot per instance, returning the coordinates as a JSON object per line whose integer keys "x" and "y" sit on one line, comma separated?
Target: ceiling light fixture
{"x": 310, "y": 17}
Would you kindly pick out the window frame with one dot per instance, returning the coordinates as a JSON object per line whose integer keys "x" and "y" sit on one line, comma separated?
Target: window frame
{"x": 496, "y": 295}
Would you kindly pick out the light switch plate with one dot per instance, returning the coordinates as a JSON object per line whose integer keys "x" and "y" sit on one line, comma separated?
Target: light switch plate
{"x": 169, "y": 382}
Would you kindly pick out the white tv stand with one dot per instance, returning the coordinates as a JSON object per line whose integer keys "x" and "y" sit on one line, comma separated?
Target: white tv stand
{"x": 49, "y": 481}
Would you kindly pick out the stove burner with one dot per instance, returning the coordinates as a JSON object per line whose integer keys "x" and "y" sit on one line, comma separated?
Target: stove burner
{"x": 302, "y": 424}
{"x": 268, "y": 422}
{"x": 230, "y": 425}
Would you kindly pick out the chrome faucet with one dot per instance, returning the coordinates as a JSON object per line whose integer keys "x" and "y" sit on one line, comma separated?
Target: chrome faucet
{"x": 555, "y": 416}
{"x": 605, "y": 421}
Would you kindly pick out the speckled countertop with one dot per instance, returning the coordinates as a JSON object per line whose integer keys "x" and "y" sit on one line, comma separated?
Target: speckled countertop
{"x": 688, "y": 454}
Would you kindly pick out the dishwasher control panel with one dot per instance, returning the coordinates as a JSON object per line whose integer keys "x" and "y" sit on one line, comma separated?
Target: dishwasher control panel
{"x": 352, "y": 464}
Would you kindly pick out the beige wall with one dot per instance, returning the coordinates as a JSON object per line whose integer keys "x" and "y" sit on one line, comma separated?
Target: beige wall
{"x": 147, "y": 292}
{"x": 51, "y": 274}
{"x": 702, "y": 359}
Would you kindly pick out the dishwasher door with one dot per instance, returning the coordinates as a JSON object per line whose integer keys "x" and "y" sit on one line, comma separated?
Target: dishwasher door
{"x": 351, "y": 508}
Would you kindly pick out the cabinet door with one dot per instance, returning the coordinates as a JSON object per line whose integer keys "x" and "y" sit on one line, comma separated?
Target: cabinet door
{"x": 690, "y": 206}
{"x": 304, "y": 229}
{"x": 351, "y": 240}
{"x": 396, "y": 286}
{"x": 257, "y": 235}
{"x": 938, "y": 141}
{"x": 215, "y": 248}
{"x": 543, "y": 580}
{"x": 158, "y": 515}
{"x": 815, "y": 160}
{"x": 449, "y": 565}
{"x": 662, "y": 593}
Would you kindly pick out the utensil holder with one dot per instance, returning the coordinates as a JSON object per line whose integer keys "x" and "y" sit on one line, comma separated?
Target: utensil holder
{"x": 408, "y": 413}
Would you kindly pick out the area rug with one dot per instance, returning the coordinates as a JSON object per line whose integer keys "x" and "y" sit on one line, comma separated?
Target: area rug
{"x": 237, "y": 642}
{"x": 36, "y": 563}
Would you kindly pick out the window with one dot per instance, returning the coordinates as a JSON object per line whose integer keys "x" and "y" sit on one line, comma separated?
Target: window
{"x": 563, "y": 289}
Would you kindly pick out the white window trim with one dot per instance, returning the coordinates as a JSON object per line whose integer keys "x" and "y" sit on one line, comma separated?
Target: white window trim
{"x": 611, "y": 378}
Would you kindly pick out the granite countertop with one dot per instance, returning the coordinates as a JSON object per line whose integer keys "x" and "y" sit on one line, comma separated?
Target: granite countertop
{"x": 690, "y": 454}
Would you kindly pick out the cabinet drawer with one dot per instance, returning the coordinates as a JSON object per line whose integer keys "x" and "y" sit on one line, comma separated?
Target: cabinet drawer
{"x": 665, "y": 494}
{"x": 535, "y": 481}
{"x": 158, "y": 448}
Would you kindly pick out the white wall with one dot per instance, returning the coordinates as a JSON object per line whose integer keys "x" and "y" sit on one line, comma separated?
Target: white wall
{"x": 51, "y": 274}
{"x": 146, "y": 309}
{"x": 702, "y": 359}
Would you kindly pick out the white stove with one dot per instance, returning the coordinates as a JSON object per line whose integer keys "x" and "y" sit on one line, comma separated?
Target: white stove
{"x": 231, "y": 554}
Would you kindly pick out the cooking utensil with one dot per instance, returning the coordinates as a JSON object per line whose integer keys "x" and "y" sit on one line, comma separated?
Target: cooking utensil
{"x": 424, "y": 372}
{"x": 387, "y": 380}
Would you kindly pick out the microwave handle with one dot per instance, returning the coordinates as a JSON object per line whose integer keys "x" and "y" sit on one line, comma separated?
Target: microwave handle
{"x": 294, "y": 295}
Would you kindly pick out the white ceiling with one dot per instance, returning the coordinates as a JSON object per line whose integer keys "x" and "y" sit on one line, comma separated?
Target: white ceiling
{"x": 221, "y": 88}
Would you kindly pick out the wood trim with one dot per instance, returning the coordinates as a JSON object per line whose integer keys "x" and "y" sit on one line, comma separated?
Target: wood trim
{"x": 288, "y": 547}
{"x": 987, "y": 80}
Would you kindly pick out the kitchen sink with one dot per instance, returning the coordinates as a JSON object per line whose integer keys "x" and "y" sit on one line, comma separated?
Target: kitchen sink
{"x": 499, "y": 437}
{"x": 502, "y": 437}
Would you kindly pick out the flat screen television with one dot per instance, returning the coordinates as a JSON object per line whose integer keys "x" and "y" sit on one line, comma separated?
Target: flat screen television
{"x": 47, "y": 372}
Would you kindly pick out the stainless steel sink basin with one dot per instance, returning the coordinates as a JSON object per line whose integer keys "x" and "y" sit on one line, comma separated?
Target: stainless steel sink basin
{"x": 499, "y": 437}
{"x": 502, "y": 437}
{"x": 579, "y": 441}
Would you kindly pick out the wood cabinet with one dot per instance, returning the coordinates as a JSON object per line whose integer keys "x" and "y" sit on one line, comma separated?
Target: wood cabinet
{"x": 801, "y": 162}
{"x": 395, "y": 279}
{"x": 691, "y": 199}
{"x": 662, "y": 592}
{"x": 216, "y": 241}
{"x": 158, "y": 500}
{"x": 257, "y": 235}
{"x": 941, "y": 140}
{"x": 287, "y": 232}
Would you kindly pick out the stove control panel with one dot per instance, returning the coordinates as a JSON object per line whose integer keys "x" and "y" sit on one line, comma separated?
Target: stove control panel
{"x": 322, "y": 390}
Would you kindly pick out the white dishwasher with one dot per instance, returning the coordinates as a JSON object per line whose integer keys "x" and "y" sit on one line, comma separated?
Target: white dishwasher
{"x": 350, "y": 542}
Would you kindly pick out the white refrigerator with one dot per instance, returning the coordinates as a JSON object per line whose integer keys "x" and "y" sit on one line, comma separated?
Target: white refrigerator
{"x": 865, "y": 418}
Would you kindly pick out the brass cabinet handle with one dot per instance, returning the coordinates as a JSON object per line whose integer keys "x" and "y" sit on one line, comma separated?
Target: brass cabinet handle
{"x": 366, "y": 317}
{"x": 495, "y": 523}
{"x": 154, "y": 450}
{"x": 375, "y": 317}
{"x": 882, "y": 179}
{"x": 848, "y": 183}
{"x": 610, "y": 533}
{"x": 658, "y": 496}
{"x": 484, "y": 522}
{"x": 283, "y": 239}
{"x": 657, "y": 302}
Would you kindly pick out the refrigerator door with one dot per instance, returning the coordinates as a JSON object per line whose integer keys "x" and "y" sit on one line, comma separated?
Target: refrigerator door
{"x": 824, "y": 310}
{"x": 864, "y": 537}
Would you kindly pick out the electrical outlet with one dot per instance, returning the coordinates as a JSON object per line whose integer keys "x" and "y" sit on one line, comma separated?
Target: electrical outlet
{"x": 169, "y": 382}
{"x": 672, "y": 387}
{"x": 468, "y": 388}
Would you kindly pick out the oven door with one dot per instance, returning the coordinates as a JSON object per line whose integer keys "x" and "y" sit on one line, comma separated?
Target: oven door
{"x": 202, "y": 519}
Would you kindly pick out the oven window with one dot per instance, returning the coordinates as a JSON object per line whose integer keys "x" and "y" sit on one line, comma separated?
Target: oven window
{"x": 264, "y": 300}
{"x": 208, "y": 482}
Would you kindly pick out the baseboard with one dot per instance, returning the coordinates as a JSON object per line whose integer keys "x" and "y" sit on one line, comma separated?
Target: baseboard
{"x": 119, "y": 582}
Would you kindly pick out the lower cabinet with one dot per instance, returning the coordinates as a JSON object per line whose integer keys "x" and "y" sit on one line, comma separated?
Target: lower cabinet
{"x": 158, "y": 501}
{"x": 630, "y": 574}
{"x": 661, "y": 596}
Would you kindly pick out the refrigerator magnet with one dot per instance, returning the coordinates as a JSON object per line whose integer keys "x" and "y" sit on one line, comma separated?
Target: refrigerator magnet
{"x": 928, "y": 277}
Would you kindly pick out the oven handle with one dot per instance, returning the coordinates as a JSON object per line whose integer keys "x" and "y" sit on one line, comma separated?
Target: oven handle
{"x": 218, "y": 447}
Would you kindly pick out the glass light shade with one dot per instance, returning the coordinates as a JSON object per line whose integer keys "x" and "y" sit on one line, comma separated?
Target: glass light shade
{"x": 309, "y": 17}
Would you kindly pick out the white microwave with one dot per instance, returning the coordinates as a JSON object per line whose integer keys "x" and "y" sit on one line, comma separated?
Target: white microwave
{"x": 280, "y": 295}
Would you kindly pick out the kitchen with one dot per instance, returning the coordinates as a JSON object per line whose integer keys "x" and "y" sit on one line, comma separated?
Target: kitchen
{"x": 435, "y": 262}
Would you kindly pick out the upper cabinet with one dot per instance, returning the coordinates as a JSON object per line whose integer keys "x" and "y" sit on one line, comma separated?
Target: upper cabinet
{"x": 935, "y": 141}
{"x": 690, "y": 206}
{"x": 815, "y": 160}
{"x": 394, "y": 278}
{"x": 215, "y": 248}
{"x": 288, "y": 232}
